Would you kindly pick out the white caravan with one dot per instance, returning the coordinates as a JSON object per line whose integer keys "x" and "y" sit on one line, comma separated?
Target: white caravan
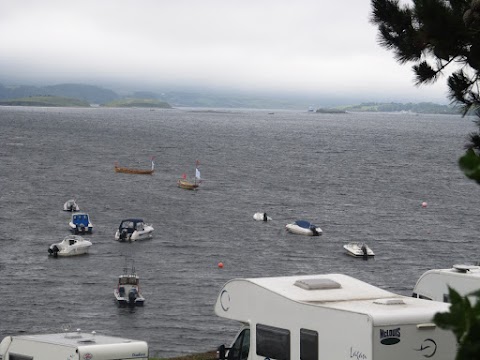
{"x": 71, "y": 346}
{"x": 433, "y": 284}
{"x": 330, "y": 316}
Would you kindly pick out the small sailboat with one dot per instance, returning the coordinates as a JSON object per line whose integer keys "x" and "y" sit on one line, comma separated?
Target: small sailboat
{"x": 127, "y": 170}
{"x": 188, "y": 185}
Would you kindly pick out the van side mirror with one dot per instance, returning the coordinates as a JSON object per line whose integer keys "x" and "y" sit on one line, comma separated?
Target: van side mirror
{"x": 221, "y": 352}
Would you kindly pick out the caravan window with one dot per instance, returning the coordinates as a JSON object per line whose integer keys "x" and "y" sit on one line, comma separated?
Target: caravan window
{"x": 273, "y": 343}
{"x": 241, "y": 347}
{"x": 12, "y": 356}
{"x": 308, "y": 344}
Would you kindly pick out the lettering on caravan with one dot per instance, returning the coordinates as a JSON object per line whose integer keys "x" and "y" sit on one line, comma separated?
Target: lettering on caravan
{"x": 390, "y": 336}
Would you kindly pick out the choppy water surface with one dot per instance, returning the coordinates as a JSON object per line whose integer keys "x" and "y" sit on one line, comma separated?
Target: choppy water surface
{"x": 357, "y": 176}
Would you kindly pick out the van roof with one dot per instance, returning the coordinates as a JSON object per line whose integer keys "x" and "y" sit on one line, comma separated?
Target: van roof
{"x": 464, "y": 270}
{"x": 348, "y": 288}
{"x": 75, "y": 339}
{"x": 335, "y": 291}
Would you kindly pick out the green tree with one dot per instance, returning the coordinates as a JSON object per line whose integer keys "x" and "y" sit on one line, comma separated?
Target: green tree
{"x": 464, "y": 320}
{"x": 436, "y": 35}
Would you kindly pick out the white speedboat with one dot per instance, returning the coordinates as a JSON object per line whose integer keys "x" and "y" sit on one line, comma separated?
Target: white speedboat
{"x": 259, "y": 216}
{"x": 358, "y": 249}
{"x": 127, "y": 291}
{"x": 71, "y": 245}
{"x": 80, "y": 224}
{"x": 71, "y": 205}
{"x": 302, "y": 227}
{"x": 133, "y": 230}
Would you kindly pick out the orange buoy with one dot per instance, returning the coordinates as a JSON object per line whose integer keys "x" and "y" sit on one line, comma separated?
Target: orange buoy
{"x": 220, "y": 265}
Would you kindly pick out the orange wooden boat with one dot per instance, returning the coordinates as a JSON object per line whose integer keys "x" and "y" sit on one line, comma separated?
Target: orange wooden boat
{"x": 126, "y": 170}
{"x": 185, "y": 184}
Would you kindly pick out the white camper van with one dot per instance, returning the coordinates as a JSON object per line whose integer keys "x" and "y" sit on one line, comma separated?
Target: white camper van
{"x": 433, "y": 284}
{"x": 331, "y": 316}
{"x": 71, "y": 346}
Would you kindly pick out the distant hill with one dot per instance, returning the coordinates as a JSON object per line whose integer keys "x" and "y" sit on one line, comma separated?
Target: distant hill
{"x": 206, "y": 99}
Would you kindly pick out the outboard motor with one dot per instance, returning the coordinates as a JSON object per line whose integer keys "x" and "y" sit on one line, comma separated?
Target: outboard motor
{"x": 365, "y": 252}
{"x": 123, "y": 234}
{"x": 265, "y": 218}
{"x": 314, "y": 230}
{"x": 132, "y": 295}
{"x": 53, "y": 251}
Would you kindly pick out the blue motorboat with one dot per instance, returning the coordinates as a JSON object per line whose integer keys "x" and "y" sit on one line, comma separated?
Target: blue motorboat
{"x": 80, "y": 224}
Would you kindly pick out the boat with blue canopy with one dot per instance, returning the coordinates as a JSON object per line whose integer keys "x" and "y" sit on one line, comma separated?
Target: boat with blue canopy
{"x": 133, "y": 230}
{"x": 303, "y": 227}
{"x": 80, "y": 224}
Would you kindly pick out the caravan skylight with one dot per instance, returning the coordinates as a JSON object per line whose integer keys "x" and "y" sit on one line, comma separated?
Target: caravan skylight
{"x": 317, "y": 284}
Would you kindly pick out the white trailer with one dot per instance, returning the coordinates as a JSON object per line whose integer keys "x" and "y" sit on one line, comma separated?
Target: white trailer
{"x": 71, "y": 346}
{"x": 332, "y": 317}
{"x": 434, "y": 284}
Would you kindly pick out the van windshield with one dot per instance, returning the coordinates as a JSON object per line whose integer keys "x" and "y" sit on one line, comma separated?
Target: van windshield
{"x": 240, "y": 347}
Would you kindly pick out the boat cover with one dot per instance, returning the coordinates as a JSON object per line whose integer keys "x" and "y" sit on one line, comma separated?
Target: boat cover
{"x": 130, "y": 223}
{"x": 303, "y": 224}
{"x": 80, "y": 219}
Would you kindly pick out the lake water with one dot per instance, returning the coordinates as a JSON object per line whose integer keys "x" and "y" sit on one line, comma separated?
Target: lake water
{"x": 360, "y": 177}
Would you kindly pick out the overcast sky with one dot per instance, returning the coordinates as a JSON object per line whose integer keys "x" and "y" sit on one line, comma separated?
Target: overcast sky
{"x": 304, "y": 46}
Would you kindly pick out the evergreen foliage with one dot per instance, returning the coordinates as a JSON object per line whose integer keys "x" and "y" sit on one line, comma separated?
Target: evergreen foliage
{"x": 434, "y": 35}
{"x": 464, "y": 320}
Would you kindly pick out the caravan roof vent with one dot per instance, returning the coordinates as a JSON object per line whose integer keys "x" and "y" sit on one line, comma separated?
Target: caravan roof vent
{"x": 389, "y": 302}
{"x": 317, "y": 284}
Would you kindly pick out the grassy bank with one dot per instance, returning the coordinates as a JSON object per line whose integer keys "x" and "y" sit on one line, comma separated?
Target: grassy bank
{"x": 139, "y": 103}
{"x": 49, "y": 101}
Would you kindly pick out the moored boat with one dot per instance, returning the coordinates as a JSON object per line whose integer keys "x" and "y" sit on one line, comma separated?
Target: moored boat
{"x": 358, "y": 249}
{"x": 189, "y": 185}
{"x": 80, "y": 224}
{"x": 127, "y": 291}
{"x": 71, "y": 245}
{"x": 302, "y": 227}
{"x": 133, "y": 230}
{"x": 185, "y": 184}
{"x": 259, "y": 216}
{"x": 71, "y": 205}
{"x": 127, "y": 170}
